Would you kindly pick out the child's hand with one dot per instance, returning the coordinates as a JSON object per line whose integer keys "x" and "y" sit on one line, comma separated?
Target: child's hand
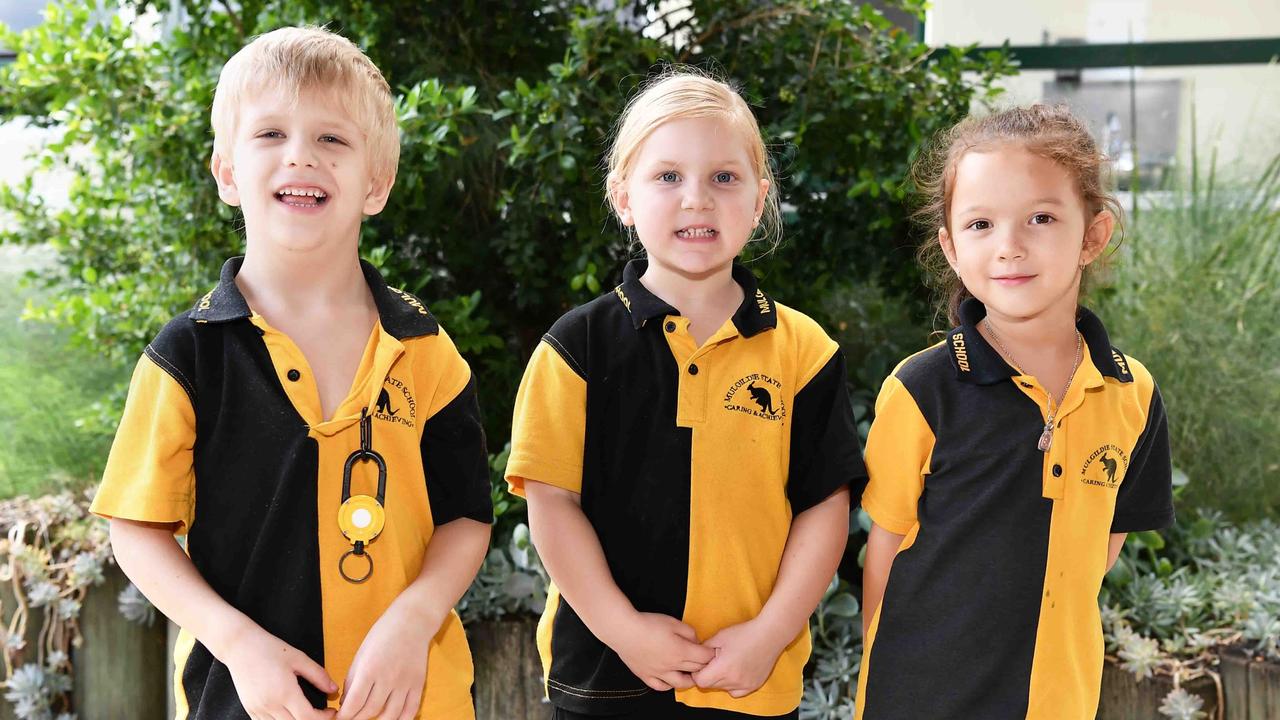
{"x": 265, "y": 671}
{"x": 662, "y": 651}
{"x": 387, "y": 675}
{"x": 745, "y": 656}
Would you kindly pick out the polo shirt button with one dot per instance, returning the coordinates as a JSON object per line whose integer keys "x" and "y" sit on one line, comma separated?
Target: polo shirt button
{"x": 693, "y": 369}
{"x": 671, "y": 327}
{"x": 1057, "y": 471}
{"x": 294, "y": 375}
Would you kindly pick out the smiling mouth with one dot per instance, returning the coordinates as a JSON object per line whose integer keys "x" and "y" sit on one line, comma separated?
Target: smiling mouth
{"x": 302, "y": 197}
{"x": 697, "y": 233}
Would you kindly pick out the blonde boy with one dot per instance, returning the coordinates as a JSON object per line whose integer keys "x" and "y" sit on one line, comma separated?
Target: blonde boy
{"x": 312, "y": 432}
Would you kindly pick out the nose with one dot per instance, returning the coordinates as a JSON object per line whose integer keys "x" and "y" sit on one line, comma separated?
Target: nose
{"x": 298, "y": 152}
{"x": 696, "y": 196}
{"x": 1010, "y": 245}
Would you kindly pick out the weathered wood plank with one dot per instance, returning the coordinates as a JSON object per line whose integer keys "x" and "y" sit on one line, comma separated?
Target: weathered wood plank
{"x": 119, "y": 669}
{"x": 1124, "y": 698}
{"x": 508, "y": 683}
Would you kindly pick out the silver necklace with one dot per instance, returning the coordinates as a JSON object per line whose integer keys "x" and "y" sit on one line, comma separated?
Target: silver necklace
{"x": 1046, "y": 436}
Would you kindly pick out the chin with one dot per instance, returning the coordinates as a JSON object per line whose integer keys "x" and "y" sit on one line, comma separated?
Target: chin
{"x": 693, "y": 262}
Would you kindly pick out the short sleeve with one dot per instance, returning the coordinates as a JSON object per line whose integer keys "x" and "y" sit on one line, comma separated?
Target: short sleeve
{"x": 898, "y": 449}
{"x": 455, "y": 460}
{"x": 549, "y": 422}
{"x": 825, "y": 455}
{"x": 1145, "y": 498}
{"x": 150, "y": 473}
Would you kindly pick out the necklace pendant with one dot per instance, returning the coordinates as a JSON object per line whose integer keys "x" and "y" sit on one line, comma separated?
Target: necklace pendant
{"x": 1046, "y": 437}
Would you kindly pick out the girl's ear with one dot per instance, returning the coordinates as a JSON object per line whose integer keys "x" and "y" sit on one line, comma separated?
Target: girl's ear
{"x": 621, "y": 201}
{"x": 761, "y": 198}
{"x": 1097, "y": 236}
{"x": 948, "y": 248}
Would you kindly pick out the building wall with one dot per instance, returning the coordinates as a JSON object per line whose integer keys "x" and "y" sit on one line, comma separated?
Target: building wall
{"x": 1237, "y": 107}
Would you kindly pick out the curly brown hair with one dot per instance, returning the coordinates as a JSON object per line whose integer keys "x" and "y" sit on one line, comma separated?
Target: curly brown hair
{"x": 1050, "y": 131}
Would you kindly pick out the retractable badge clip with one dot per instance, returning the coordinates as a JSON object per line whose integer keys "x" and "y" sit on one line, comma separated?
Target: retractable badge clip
{"x": 361, "y": 517}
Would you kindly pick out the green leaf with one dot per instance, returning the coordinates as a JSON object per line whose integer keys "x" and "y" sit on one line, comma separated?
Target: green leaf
{"x": 842, "y": 605}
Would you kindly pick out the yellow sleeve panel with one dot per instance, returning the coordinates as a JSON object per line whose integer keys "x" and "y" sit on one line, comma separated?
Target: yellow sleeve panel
{"x": 814, "y": 347}
{"x": 150, "y": 474}
{"x": 440, "y": 371}
{"x": 548, "y": 425}
{"x": 898, "y": 449}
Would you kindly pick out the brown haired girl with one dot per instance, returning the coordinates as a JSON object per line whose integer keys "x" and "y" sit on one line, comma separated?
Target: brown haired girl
{"x": 1007, "y": 462}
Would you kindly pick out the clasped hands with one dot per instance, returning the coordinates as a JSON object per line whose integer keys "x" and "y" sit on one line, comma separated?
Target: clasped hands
{"x": 665, "y": 654}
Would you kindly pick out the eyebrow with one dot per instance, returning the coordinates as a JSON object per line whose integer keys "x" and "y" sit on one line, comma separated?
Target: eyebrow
{"x": 1037, "y": 201}
{"x": 275, "y": 118}
{"x": 719, "y": 163}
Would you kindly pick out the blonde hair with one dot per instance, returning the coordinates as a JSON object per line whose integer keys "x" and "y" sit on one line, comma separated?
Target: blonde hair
{"x": 680, "y": 93}
{"x": 293, "y": 59}
{"x": 1050, "y": 131}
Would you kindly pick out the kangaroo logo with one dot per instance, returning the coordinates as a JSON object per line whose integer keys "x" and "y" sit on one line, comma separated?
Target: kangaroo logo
{"x": 1110, "y": 465}
{"x": 765, "y": 393}
{"x": 406, "y": 412}
{"x": 1111, "y": 460}
{"x": 384, "y": 403}
{"x": 762, "y": 398}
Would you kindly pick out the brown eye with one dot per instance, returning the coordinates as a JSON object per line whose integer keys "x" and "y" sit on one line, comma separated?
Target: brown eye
{"x": 979, "y": 225}
{"x": 1041, "y": 219}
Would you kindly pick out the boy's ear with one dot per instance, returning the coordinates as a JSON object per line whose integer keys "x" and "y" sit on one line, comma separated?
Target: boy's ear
{"x": 948, "y": 248}
{"x": 225, "y": 177}
{"x": 621, "y": 202}
{"x": 379, "y": 192}
{"x": 1097, "y": 236}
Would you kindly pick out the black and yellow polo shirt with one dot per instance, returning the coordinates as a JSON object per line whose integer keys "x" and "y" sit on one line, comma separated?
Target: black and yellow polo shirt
{"x": 991, "y": 606}
{"x": 691, "y": 462}
{"x": 222, "y": 433}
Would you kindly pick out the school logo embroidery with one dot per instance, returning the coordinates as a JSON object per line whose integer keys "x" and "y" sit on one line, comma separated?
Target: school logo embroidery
{"x": 1105, "y": 467}
{"x": 623, "y": 297}
{"x": 762, "y": 302}
{"x": 410, "y": 300}
{"x": 958, "y": 349}
{"x": 1120, "y": 362}
{"x": 396, "y": 404}
{"x": 756, "y": 394}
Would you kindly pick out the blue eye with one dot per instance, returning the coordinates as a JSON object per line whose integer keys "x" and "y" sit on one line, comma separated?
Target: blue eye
{"x": 272, "y": 134}
{"x": 669, "y": 176}
{"x": 724, "y": 177}
{"x": 331, "y": 139}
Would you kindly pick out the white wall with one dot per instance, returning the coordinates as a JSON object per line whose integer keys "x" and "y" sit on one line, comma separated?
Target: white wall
{"x": 1238, "y": 106}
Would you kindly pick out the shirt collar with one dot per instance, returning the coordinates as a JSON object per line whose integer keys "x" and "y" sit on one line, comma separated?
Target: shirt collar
{"x": 401, "y": 314}
{"x": 756, "y": 314}
{"x": 974, "y": 360}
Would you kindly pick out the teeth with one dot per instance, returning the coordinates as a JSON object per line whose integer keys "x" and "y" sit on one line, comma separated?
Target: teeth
{"x": 302, "y": 192}
{"x": 696, "y": 232}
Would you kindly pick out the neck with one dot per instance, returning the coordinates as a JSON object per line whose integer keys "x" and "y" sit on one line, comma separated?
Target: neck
{"x": 279, "y": 277}
{"x": 1052, "y": 332}
{"x": 691, "y": 293}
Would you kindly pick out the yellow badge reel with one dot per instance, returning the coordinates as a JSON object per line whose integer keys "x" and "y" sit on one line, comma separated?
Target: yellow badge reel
{"x": 361, "y": 518}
